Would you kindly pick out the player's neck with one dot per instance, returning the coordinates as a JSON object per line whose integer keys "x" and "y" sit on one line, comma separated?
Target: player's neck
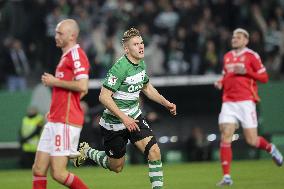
{"x": 237, "y": 50}
{"x": 132, "y": 59}
{"x": 67, "y": 47}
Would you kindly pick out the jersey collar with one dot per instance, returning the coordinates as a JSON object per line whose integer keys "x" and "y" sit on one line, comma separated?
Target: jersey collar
{"x": 74, "y": 47}
{"x": 130, "y": 61}
{"x": 239, "y": 53}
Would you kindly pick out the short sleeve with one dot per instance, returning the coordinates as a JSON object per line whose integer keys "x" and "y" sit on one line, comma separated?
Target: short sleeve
{"x": 115, "y": 77}
{"x": 80, "y": 64}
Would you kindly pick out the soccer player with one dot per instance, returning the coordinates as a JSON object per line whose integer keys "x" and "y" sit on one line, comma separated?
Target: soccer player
{"x": 241, "y": 70}
{"x": 122, "y": 120}
{"x": 60, "y": 136}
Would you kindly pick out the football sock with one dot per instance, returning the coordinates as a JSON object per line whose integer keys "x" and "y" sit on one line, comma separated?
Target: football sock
{"x": 226, "y": 157}
{"x": 73, "y": 182}
{"x": 156, "y": 174}
{"x": 99, "y": 157}
{"x": 263, "y": 144}
{"x": 39, "y": 182}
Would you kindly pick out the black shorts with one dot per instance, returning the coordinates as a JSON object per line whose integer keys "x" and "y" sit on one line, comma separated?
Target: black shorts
{"x": 115, "y": 141}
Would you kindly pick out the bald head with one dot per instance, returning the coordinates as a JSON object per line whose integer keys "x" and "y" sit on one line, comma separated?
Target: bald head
{"x": 70, "y": 25}
{"x": 67, "y": 32}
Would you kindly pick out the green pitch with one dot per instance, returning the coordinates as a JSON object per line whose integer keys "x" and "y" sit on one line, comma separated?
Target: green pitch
{"x": 246, "y": 175}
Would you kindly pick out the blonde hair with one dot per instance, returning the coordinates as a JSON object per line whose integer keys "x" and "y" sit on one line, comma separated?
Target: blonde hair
{"x": 243, "y": 31}
{"x": 132, "y": 32}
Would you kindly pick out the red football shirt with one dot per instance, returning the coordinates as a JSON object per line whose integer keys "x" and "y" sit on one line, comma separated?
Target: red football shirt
{"x": 237, "y": 87}
{"x": 65, "y": 104}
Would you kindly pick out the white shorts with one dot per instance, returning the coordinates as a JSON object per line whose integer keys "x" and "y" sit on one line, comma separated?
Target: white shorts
{"x": 59, "y": 139}
{"x": 243, "y": 112}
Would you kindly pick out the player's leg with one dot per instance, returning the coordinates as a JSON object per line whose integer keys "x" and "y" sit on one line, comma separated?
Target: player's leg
{"x": 151, "y": 150}
{"x": 113, "y": 158}
{"x": 227, "y": 131}
{"x": 40, "y": 168}
{"x": 64, "y": 143}
{"x": 42, "y": 159}
{"x": 248, "y": 118}
{"x": 60, "y": 174}
{"x": 227, "y": 125}
{"x": 145, "y": 141}
{"x": 260, "y": 142}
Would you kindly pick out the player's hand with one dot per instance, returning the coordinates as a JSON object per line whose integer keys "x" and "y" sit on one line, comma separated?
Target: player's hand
{"x": 130, "y": 123}
{"x": 172, "y": 108}
{"x": 46, "y": 115}
{"x": 240, "y": 69}
{"x": 218, "y": 85}
{"x": 48, "y": 79}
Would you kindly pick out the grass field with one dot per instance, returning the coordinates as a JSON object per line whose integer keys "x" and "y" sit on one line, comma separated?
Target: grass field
{"x": 261, "y": 174}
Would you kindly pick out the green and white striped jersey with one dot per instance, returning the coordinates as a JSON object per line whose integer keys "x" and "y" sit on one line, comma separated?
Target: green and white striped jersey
{"x": 126, "y": 80}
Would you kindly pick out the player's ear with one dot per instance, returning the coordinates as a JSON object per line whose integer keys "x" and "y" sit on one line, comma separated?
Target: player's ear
{"x": 126, "y": 48}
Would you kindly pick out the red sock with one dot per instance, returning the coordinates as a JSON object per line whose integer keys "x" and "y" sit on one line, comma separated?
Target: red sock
{"x": 39, "y": 182}
{"x": 73, "y": 182}
{"x": 263, "y": 144}
{"x": 226, "y": 157}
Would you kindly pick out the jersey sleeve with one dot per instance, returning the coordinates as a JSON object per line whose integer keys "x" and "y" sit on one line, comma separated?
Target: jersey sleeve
{"x": 256, "y": 63}
{"x": 115, "y": 77}
{"x": 80, "y": 65}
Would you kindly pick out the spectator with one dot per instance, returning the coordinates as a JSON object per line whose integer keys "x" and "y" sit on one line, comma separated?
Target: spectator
{"x": 16, "y": 65}
{"x": 30, "y": 131}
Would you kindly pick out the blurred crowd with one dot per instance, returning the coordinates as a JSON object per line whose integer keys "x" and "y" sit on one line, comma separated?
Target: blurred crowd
{"x": 182, "y": 37}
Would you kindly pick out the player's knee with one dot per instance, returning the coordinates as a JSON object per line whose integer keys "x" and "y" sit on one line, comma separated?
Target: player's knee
{"x": 152, "y": 148}
{"x": 226, "y": 137}
{"x": 117, "y": 168}
{"x": 251, "y": 141}
{"x": 37, "y": 170}
{"x": 154, "y": 153}
{"x": 58, "y": 176}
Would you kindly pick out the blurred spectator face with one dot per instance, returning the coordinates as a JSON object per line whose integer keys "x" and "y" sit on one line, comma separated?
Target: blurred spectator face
{"x": 135, "y": 48}
{"x": 239, "y": 41}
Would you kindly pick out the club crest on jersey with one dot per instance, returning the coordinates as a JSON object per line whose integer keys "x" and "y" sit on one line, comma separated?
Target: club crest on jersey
{"x": 111, "y": 80}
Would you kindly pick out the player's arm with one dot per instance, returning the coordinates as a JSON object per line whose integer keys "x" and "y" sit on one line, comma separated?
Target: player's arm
{"x": 256, "y": 70}
{"x": 260, "y": 76}
{"x": 80, "y": 85}
{"x": 150, "y": 91}
{"x": 219, "y": 83}
{"x": 106, "y": 99}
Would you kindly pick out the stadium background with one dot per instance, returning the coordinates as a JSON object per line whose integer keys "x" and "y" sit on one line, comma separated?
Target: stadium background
{"x": 185, "y": 41}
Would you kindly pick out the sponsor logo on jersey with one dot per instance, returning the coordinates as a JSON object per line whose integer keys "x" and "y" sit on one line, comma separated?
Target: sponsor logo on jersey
{"x": 111, "y": 80}
{"x": 231, "y": 67}
{"x": 79, "y": 70}
{"x": 133, "y": 88}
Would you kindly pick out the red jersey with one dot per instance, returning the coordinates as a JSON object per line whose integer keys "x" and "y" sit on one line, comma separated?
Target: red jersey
{"x": 237, "y": 87}
{"x": 65, "y": 104}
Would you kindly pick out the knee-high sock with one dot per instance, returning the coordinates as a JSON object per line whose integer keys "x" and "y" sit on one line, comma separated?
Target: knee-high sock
{"x": 226, "y": 157}
{"x": 99, "y": 157}
{"x": 39, "y": 182}
{"x": 74, "y": 182}
{"x": 263, "y": 144}
{"x": 156, "y": 174}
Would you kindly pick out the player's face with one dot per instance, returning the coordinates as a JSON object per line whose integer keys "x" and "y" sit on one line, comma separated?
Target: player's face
{"x": 239, "y": 41}
{"x": 62, "y": 36}
{"x": 134, "y": 48}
